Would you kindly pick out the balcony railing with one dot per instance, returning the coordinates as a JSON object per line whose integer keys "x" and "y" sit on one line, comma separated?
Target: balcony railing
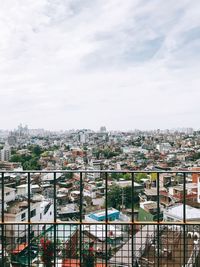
{"x": 66, "y": 218}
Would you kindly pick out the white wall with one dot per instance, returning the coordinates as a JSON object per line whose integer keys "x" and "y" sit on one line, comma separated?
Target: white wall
{"x": 8, "y": 196}
{"x": 17, "y": 230}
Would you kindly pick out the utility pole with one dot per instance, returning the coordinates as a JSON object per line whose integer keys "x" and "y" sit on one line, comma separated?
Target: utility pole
{"x": 123, "y": 197}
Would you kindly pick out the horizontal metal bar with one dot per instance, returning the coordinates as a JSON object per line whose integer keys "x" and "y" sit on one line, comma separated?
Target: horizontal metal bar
{"x": 101, "y": 223}
{"x": 101, "y": 171}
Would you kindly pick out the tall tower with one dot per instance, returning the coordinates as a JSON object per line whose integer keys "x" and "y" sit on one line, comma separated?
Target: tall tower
{"x": 6, "y": 153}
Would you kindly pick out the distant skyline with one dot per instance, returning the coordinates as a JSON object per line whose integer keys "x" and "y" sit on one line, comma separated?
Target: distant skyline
{"x": 108, "y": 129}
{"x": 72, "y": 64}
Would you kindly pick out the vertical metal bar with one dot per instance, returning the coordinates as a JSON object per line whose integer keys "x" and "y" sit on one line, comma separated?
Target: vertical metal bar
{"x": 2, "y": 217}
{"x": 81, "y": 196}
{"x": 29, "y": 197}
{"x": 55, "y": 218}
{"x": 158, "y": 218}
{"x": 106, "y": 213}
{"x": 158, "y": 197}
{"x": 133, "y": 195}
{"x": 54, "y": 196}
{"x": 80, "y": 217}
{"x": 29, "y": 218}
{"x": 184, "y": 219}
{"x": 133, "y": 218}
{"x": 184, "y": 198}
{"x": 2, "y": 197}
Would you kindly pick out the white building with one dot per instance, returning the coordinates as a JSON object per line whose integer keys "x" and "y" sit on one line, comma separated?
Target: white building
{"x": 175, "y": 213}
{"x": 83, "y": 137}
{"x": 95, "y": 165}
{"x": 17, "y": 212}
{"x": 9, "y": 194}
{"x": 98, "y": 232}
{"x": 22, "y": 190}
{"x": 89, "y": 193}
{"x": 5, "y": 153}
{"x": 163, "y": 147}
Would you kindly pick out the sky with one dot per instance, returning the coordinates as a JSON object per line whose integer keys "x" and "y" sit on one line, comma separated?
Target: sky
{"x": 123, "y": 64}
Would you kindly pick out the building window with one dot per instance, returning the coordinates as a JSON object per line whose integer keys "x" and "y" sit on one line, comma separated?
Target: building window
{"x": 33, "y": 213}
{"x": 47, "y": 208}
{"x": 23, "y": 216}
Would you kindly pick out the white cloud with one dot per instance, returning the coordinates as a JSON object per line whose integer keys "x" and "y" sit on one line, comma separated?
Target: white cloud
{"x": 123, "y": 64}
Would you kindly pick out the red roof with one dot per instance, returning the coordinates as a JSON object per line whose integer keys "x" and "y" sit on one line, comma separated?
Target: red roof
{"x": 19, "y": 248}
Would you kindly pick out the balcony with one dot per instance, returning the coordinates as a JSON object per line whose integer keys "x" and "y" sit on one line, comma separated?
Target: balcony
{"x": 63, "y": 221}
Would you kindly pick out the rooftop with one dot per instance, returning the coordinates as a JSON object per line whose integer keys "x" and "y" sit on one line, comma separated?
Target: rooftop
{"x": 177, "y": 212}
{"x": 102, "y": 212}
{"x": 17, "y": 206}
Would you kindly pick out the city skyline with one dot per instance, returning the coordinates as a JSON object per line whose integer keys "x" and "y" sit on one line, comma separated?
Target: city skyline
{"x": 123, "y": 64}
{"x": 107, "y": 129}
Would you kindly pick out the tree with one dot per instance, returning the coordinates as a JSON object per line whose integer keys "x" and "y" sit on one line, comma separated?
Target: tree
{"x": 15, "y": 158}
{"x": 118, "y": 196}
{"x": 114, "y": 198}
{"x": 127, "y": 176}
{"x": 29, "y": 162}
{"x": 153, "y": 176}
{"x": 140, "y": 176}
{"x": 195, "y": 156}
{"x": 37, "y": 150}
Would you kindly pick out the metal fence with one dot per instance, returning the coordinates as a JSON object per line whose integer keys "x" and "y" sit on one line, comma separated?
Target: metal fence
{"x": 50, "y": 219}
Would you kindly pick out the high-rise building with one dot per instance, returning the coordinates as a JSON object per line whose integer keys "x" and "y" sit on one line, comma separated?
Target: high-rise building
{"x": 22, "y": 131}
{"x": 5, "y": 153}
{"x": 103, "y": 129}
{"x": 81, "y": 137}
{"x": 12, "y": 139}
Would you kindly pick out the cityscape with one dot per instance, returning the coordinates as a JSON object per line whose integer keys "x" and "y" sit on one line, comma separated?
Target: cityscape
{"x": 118, "y": 184}
{"x": 99, "y": 133}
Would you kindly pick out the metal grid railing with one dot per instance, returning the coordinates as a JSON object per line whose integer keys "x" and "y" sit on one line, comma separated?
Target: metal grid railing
{"x": 39, "y": 231}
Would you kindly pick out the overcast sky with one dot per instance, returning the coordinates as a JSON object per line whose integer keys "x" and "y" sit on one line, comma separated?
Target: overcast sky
{"x": 123, "y": 64}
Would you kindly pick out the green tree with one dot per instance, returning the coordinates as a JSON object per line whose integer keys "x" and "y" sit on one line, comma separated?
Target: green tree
{"x": 153, "y": 176}
{"x": 15, "y": 158}
{"x": 29, "y": 162}
{"x": 140, "y": 176}
{"x": 127, "y": 176}
{"x": 114, "y": 198}
{"x": 37, "y": 150}
{"x": 118, "y": 196}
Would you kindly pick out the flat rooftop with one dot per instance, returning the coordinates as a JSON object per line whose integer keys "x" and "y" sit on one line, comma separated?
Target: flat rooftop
{"x": 153, "y": 191}
{"x": 17, "y": 206}
{"x": 177, "y": 212}
{"x": 102, "y": 212}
